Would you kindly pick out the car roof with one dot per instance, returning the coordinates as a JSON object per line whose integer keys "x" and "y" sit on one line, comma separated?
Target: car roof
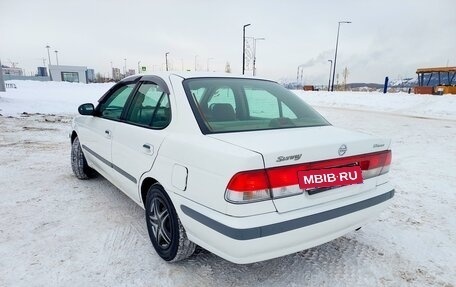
{"x": 189, "y": 75}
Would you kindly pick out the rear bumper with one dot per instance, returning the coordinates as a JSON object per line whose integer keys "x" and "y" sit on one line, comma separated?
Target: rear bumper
{"x": 261, "y": 237}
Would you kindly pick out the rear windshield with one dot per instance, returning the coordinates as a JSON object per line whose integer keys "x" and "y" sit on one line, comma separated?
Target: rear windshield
{"x": 233, "y": 105}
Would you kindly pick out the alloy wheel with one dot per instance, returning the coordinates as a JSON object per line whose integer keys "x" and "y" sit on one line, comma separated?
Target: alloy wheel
{"x": 160, "y": 222}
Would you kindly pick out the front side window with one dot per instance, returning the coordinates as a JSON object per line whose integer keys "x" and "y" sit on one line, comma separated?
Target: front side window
{"x": 113, "y": 105}
{"x": 233, "y": 105}
{"x": 150, "y": 107}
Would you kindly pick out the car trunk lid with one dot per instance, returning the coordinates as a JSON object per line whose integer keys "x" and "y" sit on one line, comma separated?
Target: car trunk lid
{"x": 287, "y": 151}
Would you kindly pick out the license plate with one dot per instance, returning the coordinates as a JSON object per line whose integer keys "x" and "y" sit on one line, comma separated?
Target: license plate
{"x": 330, "y": 177}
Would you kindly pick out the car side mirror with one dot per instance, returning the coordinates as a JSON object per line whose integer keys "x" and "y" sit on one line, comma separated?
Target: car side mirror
{"x": 86, "y": 109}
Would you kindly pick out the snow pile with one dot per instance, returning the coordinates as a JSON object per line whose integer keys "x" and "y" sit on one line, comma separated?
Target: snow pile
{"x": 442, "y": 107}
{"x": 406, "y": 82}
{"x": 64, "y": 98}
{"x": 49, "y": 97}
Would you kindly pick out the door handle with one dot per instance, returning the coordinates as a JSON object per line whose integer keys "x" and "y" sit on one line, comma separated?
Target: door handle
{"x": 148, "y": 148}
{"x": 108, "y": 134}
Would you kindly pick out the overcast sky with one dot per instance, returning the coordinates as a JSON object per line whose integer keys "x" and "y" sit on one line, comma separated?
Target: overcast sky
{"x": 387, "y": 37}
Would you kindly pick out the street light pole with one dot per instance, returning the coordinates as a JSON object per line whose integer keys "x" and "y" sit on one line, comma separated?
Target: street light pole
{"x": 196, "y": 56}
{"x": 49, "y": 58}
{"x": 297, "y": 75}
{"x": 166, "y": 60}
{"x": 335, "y": 54}
{"x": 300, "y": 72}
{"x": 254, "y": 54}
{"x": 49, "y": 55}
{"x": 56, "y": 57}
{"x": 329, "y": 81}
{"x": 139, "y": 70}
{"x": 243, "y": 47}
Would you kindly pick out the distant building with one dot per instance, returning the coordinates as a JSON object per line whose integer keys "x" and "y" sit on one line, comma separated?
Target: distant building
{"x": 90, "y": 75}
{"x": 130, "y": 72}
{"x": 116, "y": 76}
{"x": 42, "y": 72}
{"x": 74, "y": 74}
{"x": 13, "y": 71}
{"x": 309, "y": 88}
{"x": 438, "y": 80}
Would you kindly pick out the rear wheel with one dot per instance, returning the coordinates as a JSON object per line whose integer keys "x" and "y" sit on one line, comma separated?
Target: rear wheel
{"x": 165, "y": 229}
{"x": 79, "y": 163}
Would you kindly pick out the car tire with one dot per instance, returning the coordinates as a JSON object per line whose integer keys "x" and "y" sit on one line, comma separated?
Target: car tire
{"x": 79, "y": 163}
{"x": 165, "y": 229}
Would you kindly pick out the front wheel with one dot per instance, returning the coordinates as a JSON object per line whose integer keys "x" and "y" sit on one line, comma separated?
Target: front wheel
{"x": 165, "y": 229}
{"x": 79, "y": 163}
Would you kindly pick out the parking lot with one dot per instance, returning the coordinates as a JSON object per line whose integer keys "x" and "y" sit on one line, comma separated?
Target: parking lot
{"x": 60, "y": 231}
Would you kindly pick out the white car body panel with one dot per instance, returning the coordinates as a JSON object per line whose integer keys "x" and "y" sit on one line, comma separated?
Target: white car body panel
{"x": 263, "y": 248}
{"x": 311, "y": 144}
{"x": 207, "y": 181}
{"x": 195, "y": 170}
{"x": 92, "y": 133}
{"x": 129, "y": 153}
{"x": 314, "y": 143}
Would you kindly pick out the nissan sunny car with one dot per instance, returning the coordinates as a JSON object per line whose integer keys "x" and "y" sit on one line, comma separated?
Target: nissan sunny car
{"x": 239, "y": 166}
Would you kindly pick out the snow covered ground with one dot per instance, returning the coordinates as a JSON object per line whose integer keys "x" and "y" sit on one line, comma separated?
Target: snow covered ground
{"x": 427, "y": 106}
{"x": 56, "y": 230}
{"x": 49, "y": 97}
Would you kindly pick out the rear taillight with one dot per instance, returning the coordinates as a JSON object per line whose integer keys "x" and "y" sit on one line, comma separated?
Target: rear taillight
{"x": 375, "y": 164}
{"x": 265, "y": 184}
{"x": 248, "y": 186}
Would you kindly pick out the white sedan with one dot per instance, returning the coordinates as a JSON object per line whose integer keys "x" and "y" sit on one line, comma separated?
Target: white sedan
{"x": 239, "y": 166}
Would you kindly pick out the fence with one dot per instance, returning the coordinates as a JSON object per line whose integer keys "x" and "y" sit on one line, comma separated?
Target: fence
{"x": 10, "y": 86}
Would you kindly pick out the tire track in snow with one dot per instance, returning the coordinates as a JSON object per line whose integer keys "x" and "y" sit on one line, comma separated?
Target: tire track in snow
{"x": 117, "y": 246}
{"x": 342, "y": 262}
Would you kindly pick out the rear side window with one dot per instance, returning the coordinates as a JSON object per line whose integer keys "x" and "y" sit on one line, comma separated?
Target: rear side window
{"x": 149, "y": 107}
{"x": 233, "y": 105}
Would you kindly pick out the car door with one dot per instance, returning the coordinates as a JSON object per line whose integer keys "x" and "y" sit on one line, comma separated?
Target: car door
{"x": 97, "y": 131}
{"x": 138, "y": 139}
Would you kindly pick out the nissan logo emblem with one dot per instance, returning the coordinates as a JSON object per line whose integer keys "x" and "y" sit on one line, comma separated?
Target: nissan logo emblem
{"x": 342, "y": 150}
